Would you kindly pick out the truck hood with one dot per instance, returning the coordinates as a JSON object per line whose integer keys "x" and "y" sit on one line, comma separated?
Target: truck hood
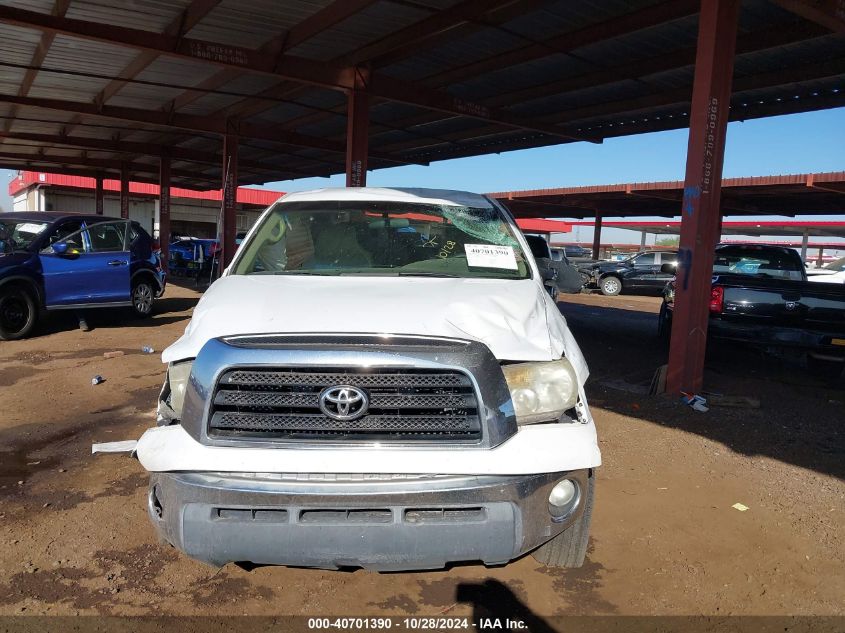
{"x": 516, "y": 319}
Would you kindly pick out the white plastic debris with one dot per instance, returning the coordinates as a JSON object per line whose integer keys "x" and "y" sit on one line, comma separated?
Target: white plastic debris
{"x": 124, "y": 446}
{"x": 740, "y": 507}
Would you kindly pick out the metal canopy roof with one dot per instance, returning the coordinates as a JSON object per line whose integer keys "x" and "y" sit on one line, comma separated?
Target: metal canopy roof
{"x": 86, "y": 84}
{"x": 792, "y": 194}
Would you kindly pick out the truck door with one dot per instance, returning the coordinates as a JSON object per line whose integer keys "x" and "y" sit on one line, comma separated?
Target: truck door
{"x": 643, "y": 269}
{"x": 88, "y": 267}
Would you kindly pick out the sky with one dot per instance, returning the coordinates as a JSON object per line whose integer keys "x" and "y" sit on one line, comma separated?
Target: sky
{"x": 798, "y": 143}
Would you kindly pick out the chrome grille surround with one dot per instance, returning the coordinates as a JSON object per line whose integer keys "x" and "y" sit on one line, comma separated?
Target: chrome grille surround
{"x": 422, "y": 391}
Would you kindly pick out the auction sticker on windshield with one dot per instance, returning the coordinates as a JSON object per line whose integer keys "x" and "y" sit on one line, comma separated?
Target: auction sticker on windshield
{"x": 490, "y": 256}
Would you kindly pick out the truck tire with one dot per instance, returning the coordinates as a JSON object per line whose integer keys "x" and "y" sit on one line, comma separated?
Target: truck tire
{"x": 18, "y": 313}
{"x": 664, "y": 324}
{"x": 142, "y": 297}
{"x": 827, "y": 370}
{"x": 569, "y": 548}
{"x": 610, "y": 286}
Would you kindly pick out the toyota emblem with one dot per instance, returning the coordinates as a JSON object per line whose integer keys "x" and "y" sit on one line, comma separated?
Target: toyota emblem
{"x": 344, "y": 402}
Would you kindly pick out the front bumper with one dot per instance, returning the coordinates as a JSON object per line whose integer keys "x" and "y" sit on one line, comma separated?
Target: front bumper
{"x": 379, "y": 522}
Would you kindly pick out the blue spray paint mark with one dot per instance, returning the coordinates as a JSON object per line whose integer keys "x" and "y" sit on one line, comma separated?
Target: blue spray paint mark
{"x": 691, "y": 194}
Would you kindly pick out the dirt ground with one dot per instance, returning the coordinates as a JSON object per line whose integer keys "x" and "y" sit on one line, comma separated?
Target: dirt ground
{"x": 74, "y": 536}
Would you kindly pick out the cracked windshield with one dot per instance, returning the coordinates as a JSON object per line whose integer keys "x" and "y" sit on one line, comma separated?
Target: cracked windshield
{"x": 393, "y": 239}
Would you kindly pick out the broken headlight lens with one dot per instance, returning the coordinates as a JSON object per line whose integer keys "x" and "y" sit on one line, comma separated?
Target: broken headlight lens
{"x": 172, "y": 396}
{"x": 541, "y": 392}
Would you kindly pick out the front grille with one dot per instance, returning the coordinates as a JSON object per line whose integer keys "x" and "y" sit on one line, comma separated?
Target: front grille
{"x": 404, "y": 404}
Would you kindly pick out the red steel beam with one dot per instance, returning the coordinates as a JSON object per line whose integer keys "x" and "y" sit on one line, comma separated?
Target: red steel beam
{"x": 597, "y": 236}
{"x": 293, "y": 68}
{"x": 183, "y": 23}
{"x": 312, "y": 26}
{"x": 98, "y": 194}
{"x": 229, "y": 202}
{"x": 58, "y": 162}
{"x": 643, "y": 18}
{"x": 124, "y": 190}
{"x": 164, "y": 209}
{"x": 828, "y": 13}
{"x": 571, "y": 119}
{"x": 466, "y": 18}
{"x": 134, "y": 147}
{"x": 702, "y": 193}
{"x": 357, "y": 133}
{"x": 41, "y": 50}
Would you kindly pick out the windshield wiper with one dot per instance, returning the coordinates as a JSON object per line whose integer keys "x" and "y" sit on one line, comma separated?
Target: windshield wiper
{"x": 421, "y": 273}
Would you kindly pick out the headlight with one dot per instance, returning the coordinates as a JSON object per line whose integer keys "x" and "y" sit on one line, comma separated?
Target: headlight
{"x": 541, "y": 392}
{"x": 172, "y": 396}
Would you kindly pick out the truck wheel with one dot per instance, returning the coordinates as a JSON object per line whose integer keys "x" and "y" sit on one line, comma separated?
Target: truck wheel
{"x": 664, "y": 324}
{"x": 610, "y": 286}
{"x": 829, "y": 370}
{"x": 18, "y": 313}
{"x": 142, "y": 298}
{"x": 569, "y": 548}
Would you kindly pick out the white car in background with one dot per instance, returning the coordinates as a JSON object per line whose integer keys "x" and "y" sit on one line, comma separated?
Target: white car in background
{"x": 832, "y": 273}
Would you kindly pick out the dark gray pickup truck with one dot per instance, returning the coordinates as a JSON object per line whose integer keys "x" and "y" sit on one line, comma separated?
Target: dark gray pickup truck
{"x": 760, "y": 295}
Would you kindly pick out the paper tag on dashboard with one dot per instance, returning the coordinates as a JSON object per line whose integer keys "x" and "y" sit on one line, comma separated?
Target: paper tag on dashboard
{"x": 490, "y": 256}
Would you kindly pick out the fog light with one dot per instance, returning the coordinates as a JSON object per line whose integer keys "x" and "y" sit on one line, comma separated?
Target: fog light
{"x": 562, "y": 499}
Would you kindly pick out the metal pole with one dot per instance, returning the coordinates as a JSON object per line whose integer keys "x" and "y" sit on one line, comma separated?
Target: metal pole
{"x": 164, "y": 209}
{"x": 597, "y": 236}
{"x": 124, "y": 191}
{"x": 642, "y": 241}
{"x": 98, "y": 194}
{"x": 230, "y": 198}
{"x": 804, "y": 242}
{"x": 717, "y": 26}
{"x": 357, "y": 130}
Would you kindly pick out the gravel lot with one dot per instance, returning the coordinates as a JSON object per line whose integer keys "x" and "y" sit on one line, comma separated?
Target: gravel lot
{"x": 74, "y": 536}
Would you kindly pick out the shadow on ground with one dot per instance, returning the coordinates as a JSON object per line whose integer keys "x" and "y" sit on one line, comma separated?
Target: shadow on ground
{"x": 799, "y": 420}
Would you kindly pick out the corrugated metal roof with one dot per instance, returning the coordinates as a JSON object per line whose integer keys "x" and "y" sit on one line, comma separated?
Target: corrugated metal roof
{"x": 594, "y": 90}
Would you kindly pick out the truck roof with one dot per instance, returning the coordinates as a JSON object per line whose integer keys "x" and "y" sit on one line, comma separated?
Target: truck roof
{"x": 393, "y": 194}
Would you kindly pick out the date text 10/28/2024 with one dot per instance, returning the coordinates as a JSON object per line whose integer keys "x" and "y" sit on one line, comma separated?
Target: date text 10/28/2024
{"x": 418, "y": 624}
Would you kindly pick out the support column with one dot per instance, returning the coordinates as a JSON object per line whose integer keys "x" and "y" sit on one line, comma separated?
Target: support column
{"x": 98, "y": 194}
{"x": 230, "y": 198}
{"x": 820, "y": 259}
{"x": 124, "y": 191}
{"x": 164, "y": 209}
{"x": 642, "y": 241}
{"x": 597, "y": 236}
{"x": 805, "y": 240}
{"x": 357, "y": 130}
{"x": 700, "y": 211}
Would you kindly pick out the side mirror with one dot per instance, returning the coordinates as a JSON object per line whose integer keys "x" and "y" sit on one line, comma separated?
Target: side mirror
{"x": 60, "y": 248}
{"x": 549, "y": 274}
{"x": 669, "y": 269}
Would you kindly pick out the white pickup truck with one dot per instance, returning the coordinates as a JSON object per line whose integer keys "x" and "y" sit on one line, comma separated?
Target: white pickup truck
{"x": 378, "y": 380}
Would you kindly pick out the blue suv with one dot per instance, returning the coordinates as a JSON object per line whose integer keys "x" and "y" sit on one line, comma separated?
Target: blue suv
{"x": 57, "y": 261}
